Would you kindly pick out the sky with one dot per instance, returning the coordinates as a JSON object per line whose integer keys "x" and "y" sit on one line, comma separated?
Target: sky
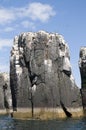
{"x": 66, "y": 17}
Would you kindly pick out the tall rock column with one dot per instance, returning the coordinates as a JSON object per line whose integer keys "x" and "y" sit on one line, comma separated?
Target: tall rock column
{"x": 41, "y": 73}
{"x": 82, "y": 66}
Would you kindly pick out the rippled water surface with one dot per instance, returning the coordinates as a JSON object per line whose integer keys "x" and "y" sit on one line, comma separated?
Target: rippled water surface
{"x": 7, "y": 123}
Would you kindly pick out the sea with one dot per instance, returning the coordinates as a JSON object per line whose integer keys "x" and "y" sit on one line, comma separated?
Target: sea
{"x": 8, "y": 123}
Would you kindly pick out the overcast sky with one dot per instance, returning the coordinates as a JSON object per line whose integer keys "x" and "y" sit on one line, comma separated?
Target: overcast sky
{"x": 66, "y": 17}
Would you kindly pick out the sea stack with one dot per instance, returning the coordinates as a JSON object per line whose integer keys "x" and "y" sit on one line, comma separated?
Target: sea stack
{"x": 41, "y": 75}
{"x": 82, "y": 66}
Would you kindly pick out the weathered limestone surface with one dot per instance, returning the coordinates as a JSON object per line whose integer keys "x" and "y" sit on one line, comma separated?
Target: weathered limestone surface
{"x": 82, "y": 66}
{"x": 40, "y": 72}
{"x": 5, "y": 94}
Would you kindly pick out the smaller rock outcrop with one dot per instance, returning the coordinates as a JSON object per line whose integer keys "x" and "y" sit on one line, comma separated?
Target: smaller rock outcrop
{"x": 5, "y": 93}
{"x": 82, "y": 66}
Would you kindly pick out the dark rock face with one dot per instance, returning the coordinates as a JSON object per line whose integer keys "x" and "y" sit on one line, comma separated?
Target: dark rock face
{"x": 40, "y": 72}
{"x": 5, "y": 94}
{"x": 82, "y": 66}
{"x": 1, "y": 92}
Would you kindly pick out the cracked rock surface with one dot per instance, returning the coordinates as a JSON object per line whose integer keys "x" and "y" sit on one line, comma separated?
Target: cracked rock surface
{"x": 40, "y": 70}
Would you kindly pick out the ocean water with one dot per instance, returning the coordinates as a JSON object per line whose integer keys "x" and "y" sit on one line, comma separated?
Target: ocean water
{"x": 8, "y": 123}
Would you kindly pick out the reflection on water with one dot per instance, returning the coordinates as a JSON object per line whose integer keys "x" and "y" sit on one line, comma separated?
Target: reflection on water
{"x": 7, "y": 123}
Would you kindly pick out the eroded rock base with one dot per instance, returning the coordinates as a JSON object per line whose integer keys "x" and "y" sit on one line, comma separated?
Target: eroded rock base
{"x": 47, "y": 113}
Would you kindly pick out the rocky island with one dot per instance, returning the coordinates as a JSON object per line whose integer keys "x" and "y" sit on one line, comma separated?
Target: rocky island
{"x": 41, "y": 80}
{"x": 41, "y": 84}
